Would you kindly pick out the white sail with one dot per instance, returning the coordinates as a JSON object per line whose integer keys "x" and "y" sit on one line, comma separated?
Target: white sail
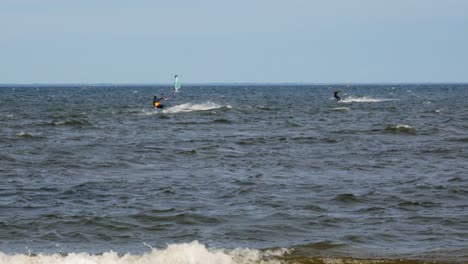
{"x": 176, "y": 83}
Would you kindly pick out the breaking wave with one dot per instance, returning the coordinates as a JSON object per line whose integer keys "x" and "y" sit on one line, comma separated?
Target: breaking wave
{"x": 401, "y": 129}
{"x": 197, "y": 253}
{"x": 185, "y": 253}
{"x": 27, "y": 135}
{"x": 189, "y": 107}
{"x": 364, "y": 99}
{"x": 344, "y": 109}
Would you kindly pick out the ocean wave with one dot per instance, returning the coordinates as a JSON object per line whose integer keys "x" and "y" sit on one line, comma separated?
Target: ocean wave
{"x": 459, "y": 139}
{"x": 222, "y": 121}
{"x": 183, "y": 108}
{"x": 189, "y": 107}
{"x": 364, "y": 99}
{"x": 417, "y": 204}
{"x": 7, "y": 158}
{"x": 184, "y": 253}
{"x": 322, "y": 245}
{"x": 344, "y": 109}
{"x": 197, "y": 253}
{"x": 401, "y": 129}
{"x": 346, "y": 198}
{"x": 27, "y": 135}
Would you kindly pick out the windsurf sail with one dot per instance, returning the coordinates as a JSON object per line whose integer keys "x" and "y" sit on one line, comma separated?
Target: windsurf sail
{"x": 176, "y": 84}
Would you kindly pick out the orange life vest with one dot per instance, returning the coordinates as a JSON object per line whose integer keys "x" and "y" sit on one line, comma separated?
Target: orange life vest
{"x": 156, "y": 104}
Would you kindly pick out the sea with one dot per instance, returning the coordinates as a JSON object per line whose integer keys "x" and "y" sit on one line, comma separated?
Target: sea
{"x": 238, "y": 173}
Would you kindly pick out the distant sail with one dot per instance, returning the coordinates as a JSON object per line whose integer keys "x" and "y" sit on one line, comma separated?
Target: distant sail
{"x": 176, "y": 84}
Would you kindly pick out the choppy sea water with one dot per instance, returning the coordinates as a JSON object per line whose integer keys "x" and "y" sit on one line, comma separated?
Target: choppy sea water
{"x": 234, "y": 174}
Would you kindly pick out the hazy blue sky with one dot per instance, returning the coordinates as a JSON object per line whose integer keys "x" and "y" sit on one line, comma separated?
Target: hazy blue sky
{"x": 207, "y": 41}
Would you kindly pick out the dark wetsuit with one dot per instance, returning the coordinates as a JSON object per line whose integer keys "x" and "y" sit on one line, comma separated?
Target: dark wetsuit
{"x": 335, "y": 94}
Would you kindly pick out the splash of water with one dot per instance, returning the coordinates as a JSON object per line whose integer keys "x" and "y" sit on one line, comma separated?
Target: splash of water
{"x": 364, "y": 99}
{"x": 189, "y": 107}
{"x": 185, "y": 253}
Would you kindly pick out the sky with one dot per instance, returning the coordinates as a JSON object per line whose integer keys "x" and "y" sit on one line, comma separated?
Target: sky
{"x": 226, "y": 41}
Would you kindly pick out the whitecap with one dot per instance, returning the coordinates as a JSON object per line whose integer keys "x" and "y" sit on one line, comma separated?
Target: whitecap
{"x": 401, "y": 128}
{"x": 189, "y": 107}
{"x": 364, "y": 99}
{"x": 24, "y": 134}
{"x": 346, "y": 109}
{"x": 184, "y": 253}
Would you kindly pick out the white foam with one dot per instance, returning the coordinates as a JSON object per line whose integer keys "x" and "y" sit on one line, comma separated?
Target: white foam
{"x": 364, "y": 99}
{"x": 403, "y": 126}
{"x": 24, "y": 134}
{"x": 183, "y": 108}
{"x": 185, "y": 253}
{"x": 342, "y": 109}
{"x": 189, "y": 107}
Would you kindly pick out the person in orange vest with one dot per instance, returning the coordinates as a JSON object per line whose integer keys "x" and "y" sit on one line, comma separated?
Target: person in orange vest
{"x": 156, "y": 103}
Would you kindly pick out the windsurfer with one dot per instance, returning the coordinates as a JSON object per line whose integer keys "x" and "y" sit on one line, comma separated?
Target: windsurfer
{"x": 335, "y": 94}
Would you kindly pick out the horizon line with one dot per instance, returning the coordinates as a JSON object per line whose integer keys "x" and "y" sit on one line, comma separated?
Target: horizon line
{"x": 231, "y": 83}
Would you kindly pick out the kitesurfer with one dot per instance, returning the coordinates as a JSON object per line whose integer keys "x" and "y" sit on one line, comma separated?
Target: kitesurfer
{"x": 335, "y": 94}
{"x": 156, "y": 103}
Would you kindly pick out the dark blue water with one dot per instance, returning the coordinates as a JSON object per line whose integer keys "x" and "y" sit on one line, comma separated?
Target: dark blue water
{"x": 252, "y": 172}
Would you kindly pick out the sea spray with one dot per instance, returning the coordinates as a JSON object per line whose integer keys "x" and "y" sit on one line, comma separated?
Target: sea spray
{"x": 184, "y": 253}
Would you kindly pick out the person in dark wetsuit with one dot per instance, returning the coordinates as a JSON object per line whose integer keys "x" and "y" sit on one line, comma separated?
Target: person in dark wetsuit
{"x": 156, "y": 103}
{"x": 335, "y": 94}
